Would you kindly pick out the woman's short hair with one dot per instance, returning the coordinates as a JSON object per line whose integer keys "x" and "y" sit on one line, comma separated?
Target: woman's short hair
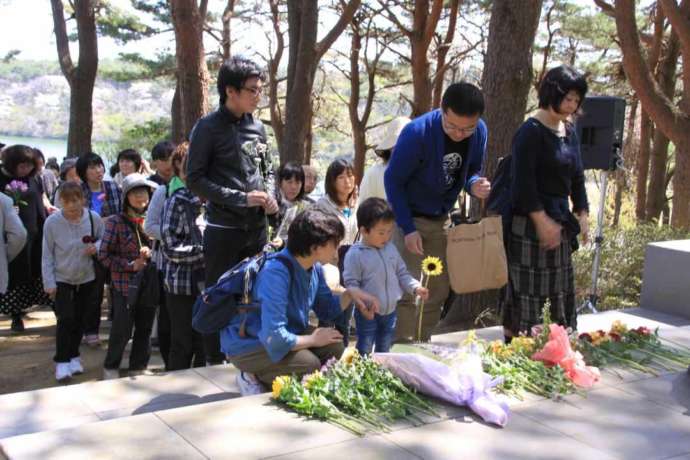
{"x": 84, "y": 161}
{"x": 14, "y": 155}
{"x": 313, "y": 228}
{"x": 291, "y": 170}
{"x": 234, "y": 72}
{"x": 71, "y": 191}
{"x": 557, "y": 83}
{"x": 179, "y": 159}
{"x": 131, "y": 155}
{"x": 162, "y": 150}
{"x": 336, "y": 168}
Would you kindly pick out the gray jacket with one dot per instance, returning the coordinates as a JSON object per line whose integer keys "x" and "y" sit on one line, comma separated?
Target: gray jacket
{"x": 64, "y": 260}
{"x": 13, "y": 236}
{"x": 379, "y": 272}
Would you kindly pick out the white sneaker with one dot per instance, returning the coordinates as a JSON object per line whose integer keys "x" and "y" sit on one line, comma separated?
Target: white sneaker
{"x": 75, "y": 366}
{"x": 62, "y": 372}
{"x": 109, "y": 374}
{"x": 249, "y": 384}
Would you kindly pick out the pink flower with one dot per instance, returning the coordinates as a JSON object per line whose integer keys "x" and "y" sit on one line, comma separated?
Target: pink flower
{"x": 557, "y": 351}
{"x": 101, "y": 197}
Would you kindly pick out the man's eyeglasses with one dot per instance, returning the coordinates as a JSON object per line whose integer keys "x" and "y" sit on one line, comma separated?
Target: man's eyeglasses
{"x": 455, "y": 129}
{"x": 256, "y": 91}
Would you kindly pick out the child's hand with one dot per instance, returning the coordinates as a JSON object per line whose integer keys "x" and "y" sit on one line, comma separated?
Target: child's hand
{"x": 422, "y": 293}
{"x": 138, "y": 264}
{"x": 145, "y": 252}
{"x": 90, "y": 249}
{"x": 51, "y": 292}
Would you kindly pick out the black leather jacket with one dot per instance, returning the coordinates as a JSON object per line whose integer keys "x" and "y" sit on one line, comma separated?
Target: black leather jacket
{"x": 228, "y": 157}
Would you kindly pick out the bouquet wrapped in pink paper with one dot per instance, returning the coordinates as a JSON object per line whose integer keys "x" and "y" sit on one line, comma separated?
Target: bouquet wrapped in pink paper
{"x": 557, "y": 351}
{"x": 462, "y": 383}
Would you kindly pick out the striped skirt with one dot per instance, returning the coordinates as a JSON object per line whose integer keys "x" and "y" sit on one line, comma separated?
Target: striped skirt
{"x": 536, "y": 275}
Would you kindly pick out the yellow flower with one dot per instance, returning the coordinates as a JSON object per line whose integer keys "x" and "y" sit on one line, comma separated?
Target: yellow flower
{"x": 619, "y": 327}
{"x": 279, "y": 383}
{"x": 471, "y": 338}
{"x": 432, "y": 266}
{"x": 349, "y": 355}
{"x": 310, "y": 378}
{"x": 523, "y": 344}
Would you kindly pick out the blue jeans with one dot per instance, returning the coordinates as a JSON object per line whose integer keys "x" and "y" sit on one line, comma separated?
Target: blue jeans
{"x": 379, "y": 331}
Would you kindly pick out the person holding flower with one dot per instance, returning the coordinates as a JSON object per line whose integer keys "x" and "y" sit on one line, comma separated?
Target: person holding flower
{"x": 547, "y": 173}
{"x": 278, "y": 339}
{"x": 437, "y": 155}
{"x": 18, "y": 181}
{"x": 70, "y": 239}
{"x": 375, "y": 266}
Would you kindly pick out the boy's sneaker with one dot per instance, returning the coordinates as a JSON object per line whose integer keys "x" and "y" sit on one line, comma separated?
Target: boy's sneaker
{"x": 249, "y": 384}
{"x": 109, "y": 374}
{"x": 62, "y": 372}
{"x": 75, "y": 366}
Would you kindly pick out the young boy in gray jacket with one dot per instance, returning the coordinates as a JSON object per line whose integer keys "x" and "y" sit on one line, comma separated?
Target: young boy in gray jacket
{"x": 375, "y": 266}
{"x": 70, "y": 239}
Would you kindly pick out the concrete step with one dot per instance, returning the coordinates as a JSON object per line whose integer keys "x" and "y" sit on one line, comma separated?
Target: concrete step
{"x": 75, "y": 405}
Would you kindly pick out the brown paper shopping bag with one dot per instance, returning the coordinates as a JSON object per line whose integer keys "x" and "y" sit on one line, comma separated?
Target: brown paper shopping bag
{"x": 476, "y": 256}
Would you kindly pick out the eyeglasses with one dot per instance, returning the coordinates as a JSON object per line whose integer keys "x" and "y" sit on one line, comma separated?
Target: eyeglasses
{"x": 455, "y": 129}
{"x": 256, "y": 91}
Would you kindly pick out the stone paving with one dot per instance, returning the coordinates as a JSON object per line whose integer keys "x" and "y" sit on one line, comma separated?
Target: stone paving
{"x": 633, "y": 415}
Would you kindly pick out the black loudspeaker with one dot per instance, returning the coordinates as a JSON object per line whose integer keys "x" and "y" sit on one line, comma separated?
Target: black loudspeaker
{"x": 600, "y": 129}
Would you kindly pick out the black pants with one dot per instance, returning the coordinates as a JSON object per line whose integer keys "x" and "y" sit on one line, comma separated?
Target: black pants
{"x": 71, "y": 304}
{"x": 224, "y": 248}
{"x": 163, "y": 324}
{"x": 186, "y": 344}
{"x": 92, "y": 315}
{"x": 124, "y": 320}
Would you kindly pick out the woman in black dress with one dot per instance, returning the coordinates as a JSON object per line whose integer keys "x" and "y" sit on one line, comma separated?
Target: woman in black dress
{"x": 25, "y": 288}
{"x": 547, "y": 173}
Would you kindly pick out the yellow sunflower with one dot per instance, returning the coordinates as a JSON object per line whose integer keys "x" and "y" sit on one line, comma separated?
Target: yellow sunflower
{"x": 279, "y": 383}
{"x": 432, "y": 266}
{"x": 349, "y": 355}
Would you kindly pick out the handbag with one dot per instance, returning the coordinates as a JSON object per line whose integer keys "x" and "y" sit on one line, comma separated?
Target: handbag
{"x": 476, "y": 256}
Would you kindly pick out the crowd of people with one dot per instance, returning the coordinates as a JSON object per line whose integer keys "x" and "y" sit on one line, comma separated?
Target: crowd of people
{"x": 156, "y": 235}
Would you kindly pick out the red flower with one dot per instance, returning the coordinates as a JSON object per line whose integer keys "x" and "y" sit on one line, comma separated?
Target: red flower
{"x": 615, "y": 336}
{"x": 642, "y": 330}
{"x": 88, "y": 239}
{"x": 586, "y": 337}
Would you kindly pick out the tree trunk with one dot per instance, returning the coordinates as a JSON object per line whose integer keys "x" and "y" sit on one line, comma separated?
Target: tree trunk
{"x": 227, "y": 30}
{"x": 511, "y": 38}
{"x": 178, "y": 134}
{"x": 82, "y": 77}
{"x": 277, "y": 123}
{"x": 656, "y": 194}
{"x": 304, "y": 56}
{"x": 442, "y": 53}
{"x": 628, "y": 154}
{"x": 192, "y": 71}
{"x": 642, "y": 166}
{"x": 680, "y": 218}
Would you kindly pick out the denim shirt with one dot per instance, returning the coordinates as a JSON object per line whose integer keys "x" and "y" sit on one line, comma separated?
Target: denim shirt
{"x": 284, "y": 313}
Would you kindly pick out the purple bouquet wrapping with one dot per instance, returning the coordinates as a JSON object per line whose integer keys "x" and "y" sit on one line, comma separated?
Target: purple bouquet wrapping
{"x": 462, "y": 382}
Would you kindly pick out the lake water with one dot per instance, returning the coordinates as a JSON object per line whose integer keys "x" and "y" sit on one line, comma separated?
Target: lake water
{"x": 50, "y": 147}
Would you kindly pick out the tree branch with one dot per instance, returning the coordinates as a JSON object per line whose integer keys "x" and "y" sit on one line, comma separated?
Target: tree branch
{"x": 606, "y": 8}
{"x": 334, "y": 33}
{"x": 64, "y": 56}
{"x": 679, "y": 17}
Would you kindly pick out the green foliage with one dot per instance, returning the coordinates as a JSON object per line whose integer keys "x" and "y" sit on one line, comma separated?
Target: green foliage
{"x": 622, "y": 261}
{"x": 143, "y": 137}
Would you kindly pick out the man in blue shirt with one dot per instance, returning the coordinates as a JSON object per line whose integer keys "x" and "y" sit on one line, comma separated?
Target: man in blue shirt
{"x": 436, "y": 156}
{"x": 278, "y": 339}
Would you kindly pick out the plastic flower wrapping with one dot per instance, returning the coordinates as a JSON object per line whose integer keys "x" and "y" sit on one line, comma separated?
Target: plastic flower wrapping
{"x": 457, "y": 379}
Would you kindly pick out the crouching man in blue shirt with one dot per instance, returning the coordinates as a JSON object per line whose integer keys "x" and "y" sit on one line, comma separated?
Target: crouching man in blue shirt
{"x": 278, "y": 339}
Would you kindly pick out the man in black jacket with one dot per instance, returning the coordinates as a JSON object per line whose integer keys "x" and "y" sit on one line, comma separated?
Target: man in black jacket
{"x": 229, "y": 166}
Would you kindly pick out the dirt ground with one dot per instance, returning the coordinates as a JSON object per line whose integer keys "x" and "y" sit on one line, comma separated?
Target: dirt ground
{"x": 26, "y": 358}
